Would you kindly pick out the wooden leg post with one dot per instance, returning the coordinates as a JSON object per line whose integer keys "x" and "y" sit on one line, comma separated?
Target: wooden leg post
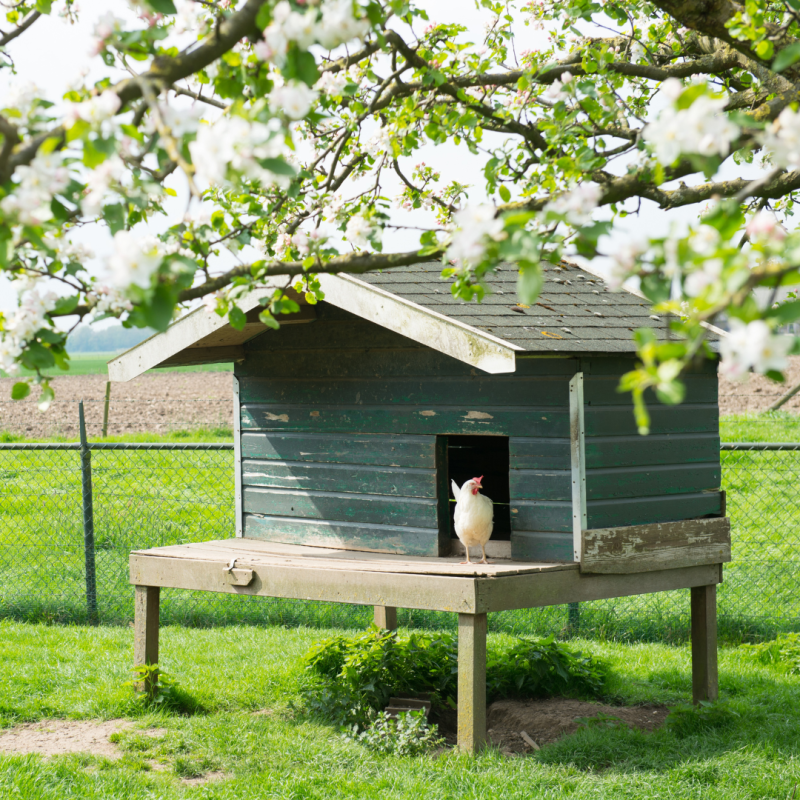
{"x": 145, "y": 642}
{"x": 705, "y": 682}
{"x": 386, "y": 617}
{"x": 471, "y": 681}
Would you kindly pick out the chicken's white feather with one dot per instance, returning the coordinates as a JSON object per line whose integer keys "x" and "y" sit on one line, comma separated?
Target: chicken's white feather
{"x": 456, "y": 490}
{"x": 473, "y": 516}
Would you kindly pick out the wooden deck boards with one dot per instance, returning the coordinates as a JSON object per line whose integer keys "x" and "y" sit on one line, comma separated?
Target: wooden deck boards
{"x": 259, "y": 553}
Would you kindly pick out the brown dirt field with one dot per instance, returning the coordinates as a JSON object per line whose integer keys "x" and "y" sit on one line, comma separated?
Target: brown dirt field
{"x": 759, "y": 393}
{"x": 156, "y": 403}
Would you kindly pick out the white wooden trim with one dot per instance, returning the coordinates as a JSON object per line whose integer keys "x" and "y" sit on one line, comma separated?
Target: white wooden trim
{"x": 578, "y": 462}
{"x": 237, "y": 457}
{"x": 439, "y": 332}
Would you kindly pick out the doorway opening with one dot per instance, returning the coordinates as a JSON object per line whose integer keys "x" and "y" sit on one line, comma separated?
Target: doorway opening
{"x": 473, "y": 456}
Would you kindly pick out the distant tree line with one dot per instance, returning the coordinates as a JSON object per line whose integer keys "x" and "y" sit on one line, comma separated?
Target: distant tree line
{"x": 90, "y": 340}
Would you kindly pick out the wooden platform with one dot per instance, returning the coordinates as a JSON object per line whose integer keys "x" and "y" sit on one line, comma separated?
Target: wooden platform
{"x": 427, "y": 582}
{"x": 257, "y": 567}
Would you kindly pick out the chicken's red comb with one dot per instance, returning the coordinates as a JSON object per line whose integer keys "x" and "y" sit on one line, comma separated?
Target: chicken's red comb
{"x": 478, "y": 480}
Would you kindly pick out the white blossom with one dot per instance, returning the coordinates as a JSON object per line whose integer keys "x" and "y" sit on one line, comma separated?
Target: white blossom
{"x": 338, "y": 25}
{"x": 358, "y": 231}
{"x": 135, "y": 259}
{"x": 623, "y": 262}
{"x": 94, "y": 110}
{"x": 105, "y": 27}
{"x": 294, "y": 99}
{"x": 765, "y": 226}
{"x": 474, "y": 225}
{"x": 577, "y": 205}
{"x": 379, "y": 142}
{"x": 43, "y": 178}
{"x": 332, "y": 83}
{"x": 699, "y": 280}
{"x": 234, "y": 142}
{"x": 702, "y": 128}
{"x": 108, "y": 300}
{"x": 301, "y": 28}
{"x": 782, "y": 139}
{"x": 98, "y": 183}
{"x": 21, "y": 327}
{"x": 21, "y": 97}
{"x": 752, "y": 346}
{"x": 704, "y": 240}
{"x": 191, "y": 17}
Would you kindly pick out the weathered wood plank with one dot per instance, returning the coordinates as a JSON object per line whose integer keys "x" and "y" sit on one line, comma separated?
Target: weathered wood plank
{"x": 378, "y": 538}
{"x": 348, "y": 585}
{"x": 482, "y": 390}
{"x": 665, "y": 545}
{"x": 221, "y": 354}
{"x": 618, "y": 365}
{"x": 387, "y": 450}
{"x": 471, "y": 682}
{"x": 556, "y": 515}
{"x": 443, "y": 509}
{"x": 394, "y": 481}
{"x": 541, "y": 422}
{"x": 604, "y": 484}
{"x": 145, "y": 632}
{"x": 340, "y": 506}
{"x": 616, "y": 451}
{"x": 602, "y": 390}
{"x": 570, "y": 586}
{"x": 385, "y": 617}
{"x": 541, "y": 546}
{"x": 705, "y": 679}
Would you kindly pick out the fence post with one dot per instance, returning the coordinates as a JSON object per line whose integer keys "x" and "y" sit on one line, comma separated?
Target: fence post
{"x": 105, "y": 409}
{"x": 88, "y": 520}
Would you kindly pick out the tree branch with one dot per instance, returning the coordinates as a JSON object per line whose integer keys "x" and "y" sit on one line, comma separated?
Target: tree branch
{"x": 20, "y": 29}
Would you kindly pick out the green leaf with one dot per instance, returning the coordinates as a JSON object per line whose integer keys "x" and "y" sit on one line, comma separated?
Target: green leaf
{"x": 237, "y": 318}
{"x": 529, "y": 283}
{"x": 20, "y": 390}
{"x": 505, "y": 193}
{"x": 268, "y": 320}
{"x": 162, "y": 6}
{"x": 765, "y": 49}
{"x": 786, "y": 57}
{"x": 37, "y": 357}
{"x": 43, "y": 6}
{"x": 264, "y": 16}
{"x": 278, "y": 166}
{"x": 158, "y": 312}
{"x": 786, "y": 313}
{"x": 114, "y": 216}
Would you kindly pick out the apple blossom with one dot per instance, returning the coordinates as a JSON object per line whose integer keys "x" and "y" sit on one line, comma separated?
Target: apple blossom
{"x": 135, "y": 259}
{"x": 578, "y": 204}
{"x": 359, "y": 230}
{"x": 293, "y": 99}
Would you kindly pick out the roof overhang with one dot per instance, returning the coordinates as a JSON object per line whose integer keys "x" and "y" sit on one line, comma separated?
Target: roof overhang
{"x": 204, "y": 338}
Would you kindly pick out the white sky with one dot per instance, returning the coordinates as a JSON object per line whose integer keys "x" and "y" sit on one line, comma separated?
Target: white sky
{"x": 67, "y": 48}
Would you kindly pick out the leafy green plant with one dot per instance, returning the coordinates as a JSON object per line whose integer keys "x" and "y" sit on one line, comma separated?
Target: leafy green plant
{"x": 691, "y": 720}
{"x": 165, "y": 692}
{"x": 409, "y": 735}
{"x": 782, "y": 652}
{"x": 352, "y": 677}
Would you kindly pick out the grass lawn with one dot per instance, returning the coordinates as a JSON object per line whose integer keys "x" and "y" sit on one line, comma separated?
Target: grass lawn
{"x": 233, "y": 673}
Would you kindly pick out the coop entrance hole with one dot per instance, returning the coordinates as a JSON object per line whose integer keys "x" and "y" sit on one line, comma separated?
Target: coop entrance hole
{"x": 473, "y": 456}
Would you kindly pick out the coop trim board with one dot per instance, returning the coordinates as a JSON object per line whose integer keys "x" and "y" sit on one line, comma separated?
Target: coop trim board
{"x": 439, "y": 332}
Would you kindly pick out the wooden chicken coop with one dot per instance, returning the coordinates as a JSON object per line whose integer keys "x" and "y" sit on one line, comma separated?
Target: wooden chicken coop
{"x": 351, "y": 420}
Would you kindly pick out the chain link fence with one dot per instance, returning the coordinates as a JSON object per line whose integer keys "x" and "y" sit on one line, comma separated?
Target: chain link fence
{"x": 149, "y": 495}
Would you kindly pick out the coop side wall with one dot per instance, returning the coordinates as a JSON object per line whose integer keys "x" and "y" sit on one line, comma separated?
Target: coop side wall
{"x": 339, "y": 420}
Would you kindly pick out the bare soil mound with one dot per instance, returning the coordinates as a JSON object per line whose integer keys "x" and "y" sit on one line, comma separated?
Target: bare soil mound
{"x": 759, "y": 393}
{"x": 545, "y": 721}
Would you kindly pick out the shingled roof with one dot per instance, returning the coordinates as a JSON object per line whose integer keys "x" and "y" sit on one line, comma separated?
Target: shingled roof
{"x": 574, "y": 313}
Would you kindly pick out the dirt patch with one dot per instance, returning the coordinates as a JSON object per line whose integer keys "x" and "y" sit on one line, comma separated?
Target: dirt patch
{"x": 156, "y": 403}
{"x": 546, "y": 721}
{"x": 759, "y": 393}
{"x": 57, "y": 737}
{"x": 209, "y": 777}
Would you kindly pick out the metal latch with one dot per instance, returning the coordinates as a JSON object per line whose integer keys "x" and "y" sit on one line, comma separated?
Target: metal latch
{"x": 237, "y": 577}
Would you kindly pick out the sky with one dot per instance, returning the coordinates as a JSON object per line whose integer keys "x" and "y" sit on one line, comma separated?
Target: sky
{"x": 68, "y": 46}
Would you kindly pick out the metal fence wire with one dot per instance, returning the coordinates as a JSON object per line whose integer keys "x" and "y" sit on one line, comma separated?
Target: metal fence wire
{"x": 149, "y": 495}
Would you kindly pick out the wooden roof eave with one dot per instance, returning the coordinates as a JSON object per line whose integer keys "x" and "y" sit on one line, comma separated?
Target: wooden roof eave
{"x": 203, "y": 338}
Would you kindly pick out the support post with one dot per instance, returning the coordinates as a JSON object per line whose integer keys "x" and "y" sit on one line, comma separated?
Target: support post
{"x": 88, "y": 519}
{"x": 705, "y": 681}
{"x": 471, "y": 681}
{"x": 145, "y": 633}
{"x": 386, "y": 617}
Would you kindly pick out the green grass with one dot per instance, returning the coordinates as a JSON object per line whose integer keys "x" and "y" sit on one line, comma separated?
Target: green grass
{"x": 95, "y": 364}
{"x": 78, "y": 673}
{"x": 775, "y": 426}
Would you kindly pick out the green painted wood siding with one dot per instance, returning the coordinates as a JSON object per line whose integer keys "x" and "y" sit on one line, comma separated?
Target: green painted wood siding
{"x": 340, "y": 417}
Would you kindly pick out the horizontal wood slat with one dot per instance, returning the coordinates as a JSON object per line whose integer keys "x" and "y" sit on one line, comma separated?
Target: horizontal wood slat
{"x": 541, "y": 546}
{"x": 387, "y": 450}
{"x": 662, "y": 545}
{"x": 344, "y": 535}
{"x": 606, "y": 484}
{"x": 556, "y": 515}
{"x": 365, "y": 508}
{"x": 616, "y": 451}
{"x": 393, "y": 481}
{"x": 504, "y": 421}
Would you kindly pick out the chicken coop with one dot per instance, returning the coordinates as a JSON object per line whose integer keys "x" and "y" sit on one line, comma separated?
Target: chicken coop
{"x": 352, "y": 419}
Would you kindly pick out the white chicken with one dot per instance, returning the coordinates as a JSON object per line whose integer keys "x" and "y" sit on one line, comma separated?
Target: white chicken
{"x": 474, "y": 516}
